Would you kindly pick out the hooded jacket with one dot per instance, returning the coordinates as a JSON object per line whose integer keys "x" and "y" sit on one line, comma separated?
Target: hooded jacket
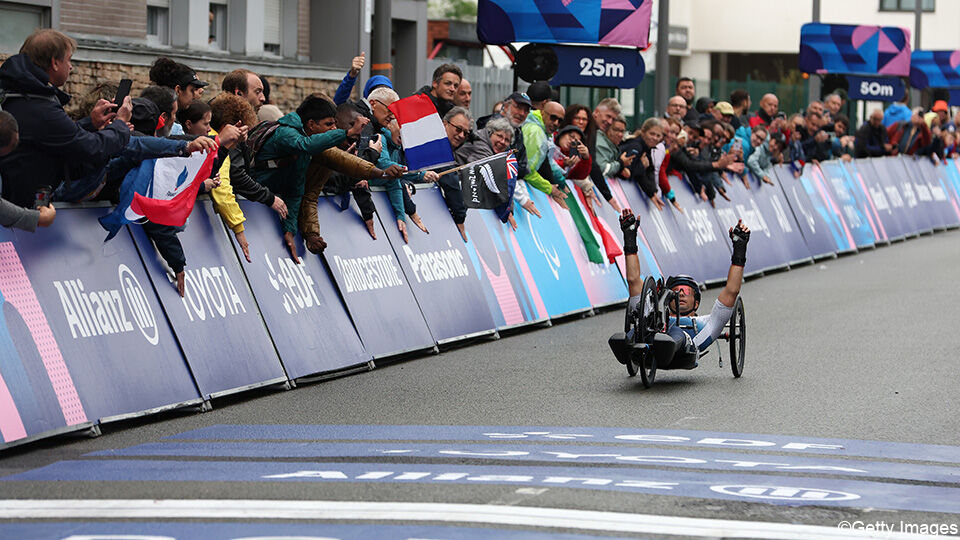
{"x": 49, "y": 139}
{"x": 289, "y": 140}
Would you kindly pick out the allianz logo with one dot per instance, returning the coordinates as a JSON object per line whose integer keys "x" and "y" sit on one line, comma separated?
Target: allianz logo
{"x": 110, "y": 311}
{"x": 209, "y": 293}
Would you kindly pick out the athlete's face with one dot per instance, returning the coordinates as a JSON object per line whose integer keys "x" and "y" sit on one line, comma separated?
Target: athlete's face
{"x": 688, "y": 302}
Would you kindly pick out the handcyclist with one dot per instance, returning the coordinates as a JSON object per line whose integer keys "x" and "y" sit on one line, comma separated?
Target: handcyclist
{"x": 694, "y": 333}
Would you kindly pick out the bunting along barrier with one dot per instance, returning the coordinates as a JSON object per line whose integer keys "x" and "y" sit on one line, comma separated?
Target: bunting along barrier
{"x": 217, "y": 302}
{"x": 860, "y": 189}
{"x": 932, "y": 197}
{"x": 770, "y": 252}
{"x": 307, "y": 321}
{"x": 86, "y": 339}
{"x": 438, "y": 269}
{"x": 816, "y": 185}
{"x": 610, "y": 220}
{"x": 512, "y": 295}
{"x": 821, "y": 239}
{"x": 937, "y": 176}
{"x": 950, "y": 173}
{"x": 844, "y": 190}
{"x": 374, "y": 288}
{"x": 588, "y": 242}
{"x": 903, "y": 222}
{"x": 709, "y": 245}
{"x": 539, "y": 246}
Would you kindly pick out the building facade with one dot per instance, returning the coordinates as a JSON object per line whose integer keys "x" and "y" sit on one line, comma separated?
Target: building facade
{"x": 300, "y": 46}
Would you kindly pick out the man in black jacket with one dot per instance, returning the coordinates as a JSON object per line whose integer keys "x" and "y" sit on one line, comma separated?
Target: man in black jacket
{"x": 49, "y": 139}
{"x": 871, "y": 138}
{"x": 443, "y": 89}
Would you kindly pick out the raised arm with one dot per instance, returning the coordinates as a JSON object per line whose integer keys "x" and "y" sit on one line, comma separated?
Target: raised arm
{"x": 740, "y": 235}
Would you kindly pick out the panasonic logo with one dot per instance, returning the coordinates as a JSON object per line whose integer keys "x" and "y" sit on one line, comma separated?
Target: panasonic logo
{"x": 437, "y": 265}
{"x": 110, "y": 311}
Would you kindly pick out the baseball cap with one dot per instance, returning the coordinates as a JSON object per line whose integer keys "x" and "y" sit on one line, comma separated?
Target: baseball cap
{"x": 191, "y": 78}
{"x": 724, "y": 107}
{"x": 703, "y": 103}
{"x": 567, "y": 129}
{"x": 374, "y": 82}
{"x": 940, "y": 105}
{"x": 521, "y": 98}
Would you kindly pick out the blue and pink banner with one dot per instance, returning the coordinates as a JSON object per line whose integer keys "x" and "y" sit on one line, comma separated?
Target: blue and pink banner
{"x": 845, "y": 189}
{"x": 217, "y": 302}
{"x": 854, "y": 49}
{"x": 939, "y": 69}
{"x": 604, "y": 22}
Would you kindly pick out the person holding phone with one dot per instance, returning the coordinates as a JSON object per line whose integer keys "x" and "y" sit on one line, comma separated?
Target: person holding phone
{"x": 11, "y": 215}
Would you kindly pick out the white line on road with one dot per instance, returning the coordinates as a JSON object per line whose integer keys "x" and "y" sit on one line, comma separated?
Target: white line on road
{"x": 560, "y": 518}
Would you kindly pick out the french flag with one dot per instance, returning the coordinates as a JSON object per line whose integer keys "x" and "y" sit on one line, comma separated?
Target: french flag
{"x": 425, "y": 142}
{"x": 161, "y": 191}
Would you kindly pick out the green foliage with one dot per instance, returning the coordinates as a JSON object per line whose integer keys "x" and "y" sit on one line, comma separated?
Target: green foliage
{"x": 455, "y": 10}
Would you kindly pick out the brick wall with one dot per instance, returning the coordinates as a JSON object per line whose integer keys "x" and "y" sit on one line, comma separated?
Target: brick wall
{"x": 285, "y": 92}
{"x": 104, "y": 17}
{"x": 303, "y": 29}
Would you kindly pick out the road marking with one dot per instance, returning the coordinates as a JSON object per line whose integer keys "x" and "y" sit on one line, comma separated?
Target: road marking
{"x": 560, "y": 518}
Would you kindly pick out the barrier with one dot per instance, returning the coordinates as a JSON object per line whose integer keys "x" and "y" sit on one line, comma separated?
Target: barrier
{"x": 849, "y": 198}
{"x": 611, "y": 222}
{"x": 86, "y": 325}
{"x": 71, "y": 305}
{"x": 307, "y": 321}
{"x": 373, "y": 286}
{"x": 438, "y": 269}
{"x": 217, "y": 323}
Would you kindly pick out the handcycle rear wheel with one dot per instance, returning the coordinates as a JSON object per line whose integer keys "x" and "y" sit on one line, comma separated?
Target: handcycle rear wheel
{"x": 738, "y": 338}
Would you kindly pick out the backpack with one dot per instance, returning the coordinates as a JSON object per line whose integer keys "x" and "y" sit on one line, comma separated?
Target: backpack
{"x": 259, "y": 136}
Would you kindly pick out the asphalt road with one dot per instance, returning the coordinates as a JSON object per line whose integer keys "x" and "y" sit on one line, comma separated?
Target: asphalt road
{"x": 860, "y": 348}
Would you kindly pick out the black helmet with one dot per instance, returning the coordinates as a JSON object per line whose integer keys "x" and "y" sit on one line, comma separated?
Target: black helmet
{"x": 682, "y": 279}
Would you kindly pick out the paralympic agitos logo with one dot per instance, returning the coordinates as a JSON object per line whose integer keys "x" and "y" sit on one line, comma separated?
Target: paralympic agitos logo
{"x": 92, "y": 313}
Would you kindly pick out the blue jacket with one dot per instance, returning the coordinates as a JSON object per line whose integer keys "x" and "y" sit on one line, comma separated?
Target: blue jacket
{"x": 49, "y": 140}
{"x": 898, "y": 112}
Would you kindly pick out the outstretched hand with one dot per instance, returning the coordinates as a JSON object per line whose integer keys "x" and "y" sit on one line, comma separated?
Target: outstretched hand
{"x": 740, "y": 233}
{"x": 628, "y": 221}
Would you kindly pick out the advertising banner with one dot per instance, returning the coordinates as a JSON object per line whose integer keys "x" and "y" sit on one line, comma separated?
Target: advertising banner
{"x": 512, "y": 294}
{"x": 610, "y": 219}
{"x": 902, "y": 200}
{"x": 607, "y": 23}
{"x": 809, "y": 214}
{"x": 854, "y": 49}
{"x": 931, "y": 195}
{"x": 939, "y": 69}
{"x": 951, "y": 173}
{"x": 602, "y": 281}
{"x": 438, "y": 269}
{"x": 371, "y": 281}
{"x": 217, "y": 322}
{"x": 540, "y": 245}
{"x": 93, "y": 320}
{"x": 858, "y": 188}
{"x": 938, "y": 176}
{"x": 779, "y": 220}
{"x": 844, "y": 190}
{"x": 709, "y": 244}
{"x": 299, "y": 302}
{"x": 767, "y": 250}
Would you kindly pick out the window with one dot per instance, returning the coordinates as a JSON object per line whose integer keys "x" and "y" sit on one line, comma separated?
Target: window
{"x": 17, "y": 21}
{"x": 218, "y": 26}
{"x": 158, "y": 25}
{"x": 907, "y": 5}
{"x": 271, "y": 26}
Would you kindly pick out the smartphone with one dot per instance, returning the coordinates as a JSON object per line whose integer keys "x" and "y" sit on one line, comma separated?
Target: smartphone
{"x": 122, "y": 92}
{"x": 42, "y": 197}
{"x": 633, "y": 152}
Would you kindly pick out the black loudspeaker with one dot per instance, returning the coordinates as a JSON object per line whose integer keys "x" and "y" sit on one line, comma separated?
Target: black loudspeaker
{"x": 537, "y": 62}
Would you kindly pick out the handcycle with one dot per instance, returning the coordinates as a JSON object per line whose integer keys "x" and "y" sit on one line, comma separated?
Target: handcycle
{"x": 649, "y": 347}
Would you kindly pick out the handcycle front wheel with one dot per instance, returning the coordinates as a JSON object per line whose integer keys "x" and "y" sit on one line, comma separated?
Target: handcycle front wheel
{"x": 738, "y": 338}
{"x": 639, "y": 324}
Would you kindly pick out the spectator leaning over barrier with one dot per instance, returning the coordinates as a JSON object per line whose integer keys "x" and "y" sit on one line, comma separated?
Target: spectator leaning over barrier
{"x": 841, "y": 143}
{"x": 182, "y": 80}
{"x": 443, "y": 90}
{"x": 765, "y": 155}
{"x": 898, "y": 112}
{"x": 346, "y": 85}
{"x": 660, "y": 157}
{"x": 911, "y": 138}
{"x": 603, "y": 116}
{"x": 574, "y": 157}
{"x": 230, "y": 110}
{"x": 943, "y": 112}
{"x": 457, "y": 123}
{"x": 247, "y": 85}
{"x": 641, "y": 169}
{"x": 49, "y": 140}
{"x": 580, "y": 116}
{"x": 677, "y": 108}
{"x": 281, "y": 162}
{"x": 686, "y": 89}
{"x": 514, "y": 110}
{"x": 494, "y": 138}
{"x": 684, "y": 161}
{"x": 726, "y": 114}
{"x": 815, "y": 141}
{"x": 12, "y": 215}
{"x": 832, "y": 105}
{"x": 268, "y": 112}
{"x": 464, "y": 94}
{"x": 537, "y": 132}
{"x": 196, "y": 119}
{"x": 611, "y": 160}
{"x": 740, "y": 101}
{"x": 769, "y": 107}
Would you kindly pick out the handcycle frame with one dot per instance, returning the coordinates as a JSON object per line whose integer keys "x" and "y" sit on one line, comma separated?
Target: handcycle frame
{"x": 649, "y": 346}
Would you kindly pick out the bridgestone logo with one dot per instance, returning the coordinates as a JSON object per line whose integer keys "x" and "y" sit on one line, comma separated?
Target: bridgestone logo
{"x": 368, "y": 273}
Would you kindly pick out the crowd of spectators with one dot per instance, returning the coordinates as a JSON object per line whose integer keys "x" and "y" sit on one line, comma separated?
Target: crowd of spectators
{"x": 342, "y": 146}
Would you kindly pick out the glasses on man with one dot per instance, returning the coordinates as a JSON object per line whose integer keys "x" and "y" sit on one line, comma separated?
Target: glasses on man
{"x": 459, "y": 130}
{"x": 555, "y": 118}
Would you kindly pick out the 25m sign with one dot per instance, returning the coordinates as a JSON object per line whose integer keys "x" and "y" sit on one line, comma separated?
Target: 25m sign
{"x": 598, "y": 66}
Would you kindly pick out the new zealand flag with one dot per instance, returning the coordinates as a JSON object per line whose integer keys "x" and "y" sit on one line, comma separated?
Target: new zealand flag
{"x": 485, "y": 183}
